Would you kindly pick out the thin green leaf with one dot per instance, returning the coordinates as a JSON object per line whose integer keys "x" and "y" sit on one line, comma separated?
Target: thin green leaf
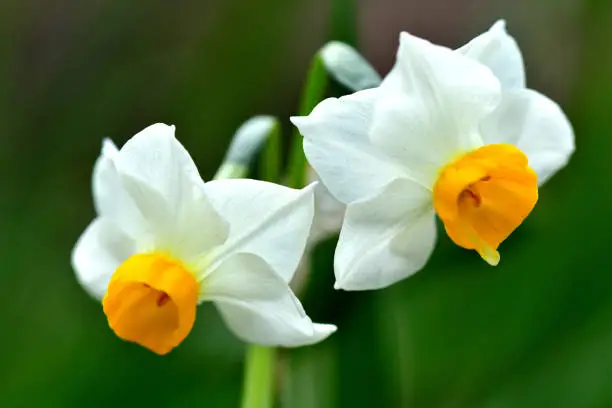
{"x": 271, "y": 163}
{"x": 314, "y": 90}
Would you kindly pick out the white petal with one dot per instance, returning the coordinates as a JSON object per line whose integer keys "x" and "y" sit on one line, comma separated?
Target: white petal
{"x": 162, "y": 181}
{"x": 155, "y": 158}
{"x": 385, "y": 239}
{"x": 430, "y": 105}
{"x": 337, "y": 146}
{"x": 500, "y": 52}
{"x": 258, "y": 305}
{"x": 198, "y": 228}
{"x": 265, "y": 219}
{"x": 329, "y": 212}
{"x": 110, "y": 198}
{"x": 99, "y": 251}
{"x": 537, "y": 126}
{"x": 187, "y": 232}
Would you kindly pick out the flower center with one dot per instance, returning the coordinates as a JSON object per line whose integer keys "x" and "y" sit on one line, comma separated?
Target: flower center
{"x": 151, "y": 300}
{"x": 484, "y": 195}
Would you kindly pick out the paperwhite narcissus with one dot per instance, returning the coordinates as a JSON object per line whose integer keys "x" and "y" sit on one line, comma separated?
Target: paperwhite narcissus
{"x": 164, "y": 241}
{"x": 449, "y": 132}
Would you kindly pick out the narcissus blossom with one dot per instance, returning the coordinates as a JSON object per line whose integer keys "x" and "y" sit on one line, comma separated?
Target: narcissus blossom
{"x": 164, "y": 241}
{"x": 452, "y": 133}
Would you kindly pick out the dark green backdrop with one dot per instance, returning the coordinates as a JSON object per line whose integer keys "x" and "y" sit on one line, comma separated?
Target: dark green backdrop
{"x": 534, "y": 332}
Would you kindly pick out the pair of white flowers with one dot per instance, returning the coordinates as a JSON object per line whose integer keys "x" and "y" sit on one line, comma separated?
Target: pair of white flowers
{"x": 452, "y": 133}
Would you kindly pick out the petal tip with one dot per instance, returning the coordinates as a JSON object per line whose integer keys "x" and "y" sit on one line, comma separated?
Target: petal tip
{"x": 404, "y": 41}
{"x": 298, "y": 121}
{"x": 327, "y": 329}
{"x": 492, "y": 258}
{"x": 499, "y": 25}
{"x": 310, "y": 188}
{"x": 108, "y": 148}
{"x": 157, "y": 129}
{"x": 335, "y": 50}
{"x": 342, "y": 283}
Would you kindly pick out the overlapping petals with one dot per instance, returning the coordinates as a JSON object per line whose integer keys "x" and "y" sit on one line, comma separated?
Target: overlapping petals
{"x": 393, "y": 233}
{"x": 429, "y": 107}
{"x": 525, "y": 118}
{"x": 258, "y": 305}
{"x": 338, "y": 147}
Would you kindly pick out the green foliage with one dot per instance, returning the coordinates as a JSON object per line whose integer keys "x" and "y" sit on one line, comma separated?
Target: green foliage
{"x": 258, "y": 389}
{"x": 315, "y": 86}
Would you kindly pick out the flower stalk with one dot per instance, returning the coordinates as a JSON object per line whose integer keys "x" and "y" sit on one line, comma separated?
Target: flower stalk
{"x": 314, "y": 90}
{"x": 258, "y": 388}
{"x": 259, "y": 370}
{"x": 259, "y": 133}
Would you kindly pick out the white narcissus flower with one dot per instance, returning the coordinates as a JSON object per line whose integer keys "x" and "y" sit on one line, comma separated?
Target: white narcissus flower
{"x": 164, "y": 241}
{"x": 452, "y": 133}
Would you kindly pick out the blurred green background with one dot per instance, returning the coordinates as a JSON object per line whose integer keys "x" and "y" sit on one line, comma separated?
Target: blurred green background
{"x": 534, "y": 332}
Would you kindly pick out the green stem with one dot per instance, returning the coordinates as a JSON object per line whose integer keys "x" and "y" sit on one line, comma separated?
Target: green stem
{"x": 259, "y": 377}
{"x": 259, "y": 131}
{"x": 260, "y": 361}
{"x": 314, "y": 90}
